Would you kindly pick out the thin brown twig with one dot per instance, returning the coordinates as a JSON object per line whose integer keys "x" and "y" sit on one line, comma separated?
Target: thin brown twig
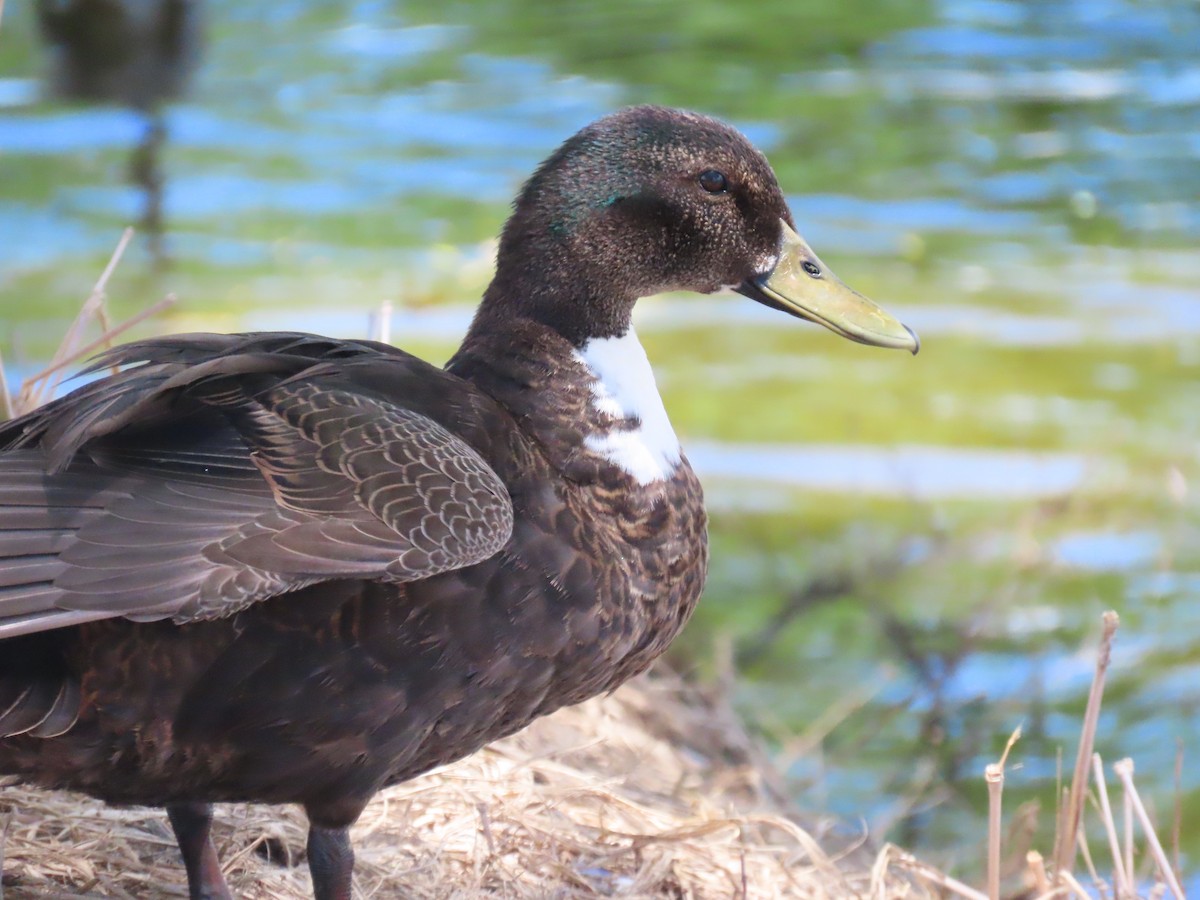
{"x": 1123, "y": 886}
{"x": 1124, "y": 770}
{"x": 1073, "y": 811}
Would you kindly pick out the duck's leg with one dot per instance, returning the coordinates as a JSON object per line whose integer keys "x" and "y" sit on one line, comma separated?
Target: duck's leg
{"x": 331, "y": 862}
{"x": 191, "y": 822}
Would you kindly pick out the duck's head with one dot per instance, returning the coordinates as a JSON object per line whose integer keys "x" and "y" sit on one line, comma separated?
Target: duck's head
{"x": 651, "y": 199}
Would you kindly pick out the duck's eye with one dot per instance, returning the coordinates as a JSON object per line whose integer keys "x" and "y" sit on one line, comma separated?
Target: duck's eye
{"x": 714, "y": 182}
{"x": 811, "y": 268}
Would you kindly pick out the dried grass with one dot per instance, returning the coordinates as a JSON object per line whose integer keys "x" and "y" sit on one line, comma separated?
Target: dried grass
{"x": 654, "y": 791}
{"x": 94, "y": 312}
{"x": 1070, "y": 833}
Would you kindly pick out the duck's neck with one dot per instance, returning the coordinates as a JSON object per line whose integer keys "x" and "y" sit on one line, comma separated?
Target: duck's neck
{"x": 598, "y": 396}
{"x": 574, "y": 299}
{"x": 639, "y": 438}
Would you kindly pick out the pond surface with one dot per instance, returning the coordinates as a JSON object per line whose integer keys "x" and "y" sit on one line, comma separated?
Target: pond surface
{"x": 910, "y": 555}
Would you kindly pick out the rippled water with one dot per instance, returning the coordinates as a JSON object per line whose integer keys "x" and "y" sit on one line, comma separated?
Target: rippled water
{"x": 1017, "y": 180}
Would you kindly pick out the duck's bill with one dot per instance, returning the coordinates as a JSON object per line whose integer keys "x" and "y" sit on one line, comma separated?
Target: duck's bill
{"x": 802, "y": 285}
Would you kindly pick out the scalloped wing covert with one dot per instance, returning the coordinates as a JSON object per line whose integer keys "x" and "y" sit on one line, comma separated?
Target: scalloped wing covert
{"x": 306, "y": 480}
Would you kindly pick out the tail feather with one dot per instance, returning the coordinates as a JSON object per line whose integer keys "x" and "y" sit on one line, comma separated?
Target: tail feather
{"x": 43, "y": 706}
{"x": 27, "y": 703}
{"x": 32, "y": 542}
{"x": 63, "y": 713}
{"x": 23, "y": 570}
{"x": 39, "y": 519}
{"x": 26, "y": 599}
{"x": 57, "y": 520}
{"x": 47, "y": 620}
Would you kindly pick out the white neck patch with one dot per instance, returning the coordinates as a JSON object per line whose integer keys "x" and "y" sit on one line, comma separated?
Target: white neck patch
{"x": 625, "y": 389}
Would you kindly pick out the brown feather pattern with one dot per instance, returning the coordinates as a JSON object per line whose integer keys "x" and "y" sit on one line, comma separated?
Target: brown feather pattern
{"x": 339, "y": 485}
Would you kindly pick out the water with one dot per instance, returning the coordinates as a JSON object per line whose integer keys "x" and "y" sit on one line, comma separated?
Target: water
{"x": 1015, "y": 180}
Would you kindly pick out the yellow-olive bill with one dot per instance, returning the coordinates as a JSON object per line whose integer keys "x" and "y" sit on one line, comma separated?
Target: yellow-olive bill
{"x": 802, "y": 285}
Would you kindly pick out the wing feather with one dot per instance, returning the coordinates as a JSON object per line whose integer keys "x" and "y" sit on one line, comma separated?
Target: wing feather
{"x": 225, "y": 470}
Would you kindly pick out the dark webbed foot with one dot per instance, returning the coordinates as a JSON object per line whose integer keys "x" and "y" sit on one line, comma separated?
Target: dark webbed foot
{"x": 191, "y": 822}
{"x": 331, "y": 862}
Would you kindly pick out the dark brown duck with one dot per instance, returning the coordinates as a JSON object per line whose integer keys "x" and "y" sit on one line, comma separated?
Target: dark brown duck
{"x": 290, "y": 569}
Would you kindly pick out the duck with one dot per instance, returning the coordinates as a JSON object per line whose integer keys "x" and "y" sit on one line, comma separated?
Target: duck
{"x": 285, "y": 568}
{"x": 135, "y": 53}
{"x": 139, "y": 54}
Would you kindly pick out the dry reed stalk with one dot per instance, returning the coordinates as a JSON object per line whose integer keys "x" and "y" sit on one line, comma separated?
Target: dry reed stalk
{"x": 105, "y": 340}
{"x": 1123, "y": 883}
{"x": 1177, "y": 818}
{"x": 1127, "y": 816}
{"x": 1086, "y": 851}
{"x": 1072, "y": 813}
{"x": 5, "y": 818}
{"x": 1124, "y": 770}
{"x": 107, "y": 333}
{"x": 1059, "y": 792}
{"x": 993, "y": 774}
{"x": 907, "y": 861}
{"x": 1037, "y": 867}
{"x": 39, "y": 388}
{"x": 1076, "y": 888}
{"x": 824, "y": 723}
{"x": 8, "y": 411}
{"x": 383, "y": 327}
